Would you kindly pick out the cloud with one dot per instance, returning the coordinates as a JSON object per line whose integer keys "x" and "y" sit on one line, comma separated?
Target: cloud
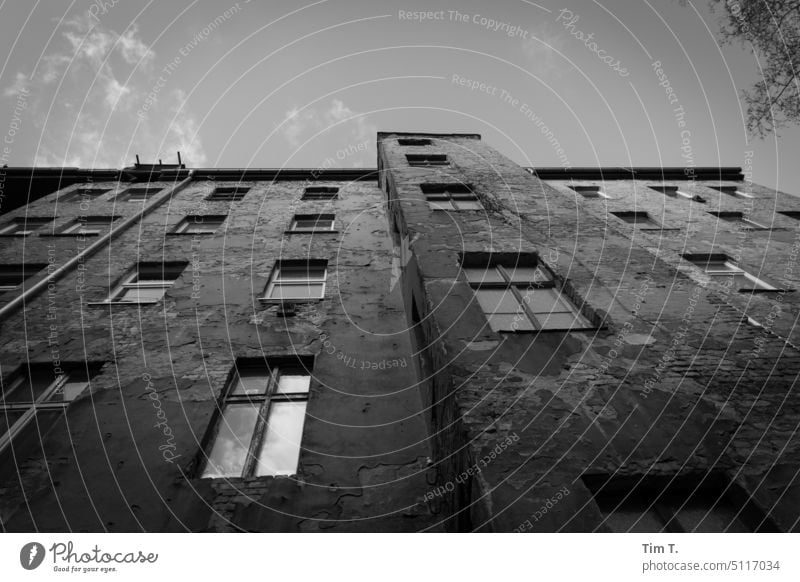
{"x": 541, "y": 50}
{"x": 344, "y": 126}
{"x": 83, "y": 95}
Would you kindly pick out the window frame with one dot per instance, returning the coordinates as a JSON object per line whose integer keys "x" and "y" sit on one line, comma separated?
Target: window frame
{"x": 73, "y": 195}
{"x": 731, "y": 269}
{"x": 272, "y": 371}
{"x": 647, "y": 223}
{"x": 320, "y": 193}
{"x": 583, "y": 190}
{"x": 732, "y": 191}
{"x": 188, "y": 222}
{"x": 19, "y": 226}
{"x": 317, "y": 218}
{"x": 274, "y": 281}
{"x": 450, "y": 193}
{"x": 74, "y": 226}
{"x": 42, "y": 402}
{"x": 228, "y": 193}
{"x": 738, "y": 217}
{"x": 677, "y": 192}
{"x": 132, "y": 193}
{"x": 519, "y": 291}
{"x": 130, "y": 281}
{"x": 24, "y": 268}
{"x": 666, "y": 497}
{"x": 427, "y": 160}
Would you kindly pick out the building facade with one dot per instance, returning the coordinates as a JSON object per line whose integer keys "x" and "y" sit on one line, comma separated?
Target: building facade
{"x": 449, "y": 342}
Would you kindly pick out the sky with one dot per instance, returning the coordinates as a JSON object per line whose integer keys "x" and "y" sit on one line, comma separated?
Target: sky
{"x": 291, "y": 84}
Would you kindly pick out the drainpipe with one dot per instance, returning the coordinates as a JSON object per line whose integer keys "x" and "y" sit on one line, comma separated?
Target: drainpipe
{"x": 32, "y": 291}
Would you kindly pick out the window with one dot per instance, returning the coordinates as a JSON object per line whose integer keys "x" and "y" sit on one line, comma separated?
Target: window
{"x": 89, "y": 226}
{"x": 260, "y": 423}
{"x": 137, "y": 194}
{"x": 674, "y": 192}
{"x": 228, "y": 194}
{"x": 412, "y": 141}
{"x": 81, "y": 193}
{"x": 636, "y": 218}
{"x": 297, "y": 281}
{"x": 451, "y": 197}
{"x": 701, "y": 504}
{"x": 738, "y": 217}
{"x": 33, "y": 399}
{"x": 521, "y": 296}
{"x": 312, "y": 223}
{"x": 732, "y": 191}
{"x": 791, "y": 213}
{"x": 23, "y": 226}
{"x": 11, "y": 276}
{"x": 200, "y": 224}
{"x": 725, "y": 270}
{"x": 425, "y": 160}
{"x": 320, "y": 193}
{"x": 148, "y": 283}
{"x": 589, "y": 191}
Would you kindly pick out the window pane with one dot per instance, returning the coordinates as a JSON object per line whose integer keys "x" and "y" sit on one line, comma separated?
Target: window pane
{"x": 251, "y": 382}
{"x": 229, "y": 453}
{"x": 560, "y": 321}
{"x": 297, "y": 291}
{"x": 30, "y": 387}
{"x": 490, "y": 275}
{"x": 469, "y": 205}
{"x": 543, "y": 300}
{"x": 7, "y": 419}
{"x": 526, "y": 275}
{"x": 280, "y": 449}
{"x": 441, "y": 205}
{"x": 69, "y": 391}
{"x": 301, "y": 273}
{"x": 497, "y": 301}
{"x": 313, "y": 225}
{"x": 509, "y": 322}
{"x": 144, "y": 295}
{"x": 293, "y": 382}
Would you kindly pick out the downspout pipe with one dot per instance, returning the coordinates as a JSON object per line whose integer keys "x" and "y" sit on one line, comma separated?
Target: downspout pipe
{"x": 100, "y": 243}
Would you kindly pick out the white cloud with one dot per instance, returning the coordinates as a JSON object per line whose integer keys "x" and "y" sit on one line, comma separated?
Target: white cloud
{"x": 83, "y": 96}
{"x": 346, "y": 127}
{"x": 540, "y": 49}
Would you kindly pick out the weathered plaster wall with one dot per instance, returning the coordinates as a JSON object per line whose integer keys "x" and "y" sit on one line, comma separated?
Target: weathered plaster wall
{"x": 364, "y": 459}
{"x": 668, "y": 383}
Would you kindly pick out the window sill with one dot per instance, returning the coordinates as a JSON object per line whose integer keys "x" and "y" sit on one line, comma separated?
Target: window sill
{"x": 72, "y": 234}
{"x": 311, "y": 232}
{"x": 102, "y": 303}
{"x": 656, "y": 229}
{"x": 560, "y": 330}
{"x": 191, "y": 233}
{"x": 269, "y": 301}
{"x": 15, "y": 234}
{"x": 251, "y": 479}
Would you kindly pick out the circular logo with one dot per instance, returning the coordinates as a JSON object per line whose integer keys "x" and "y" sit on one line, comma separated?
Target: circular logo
{"x": 31, "y": 555}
